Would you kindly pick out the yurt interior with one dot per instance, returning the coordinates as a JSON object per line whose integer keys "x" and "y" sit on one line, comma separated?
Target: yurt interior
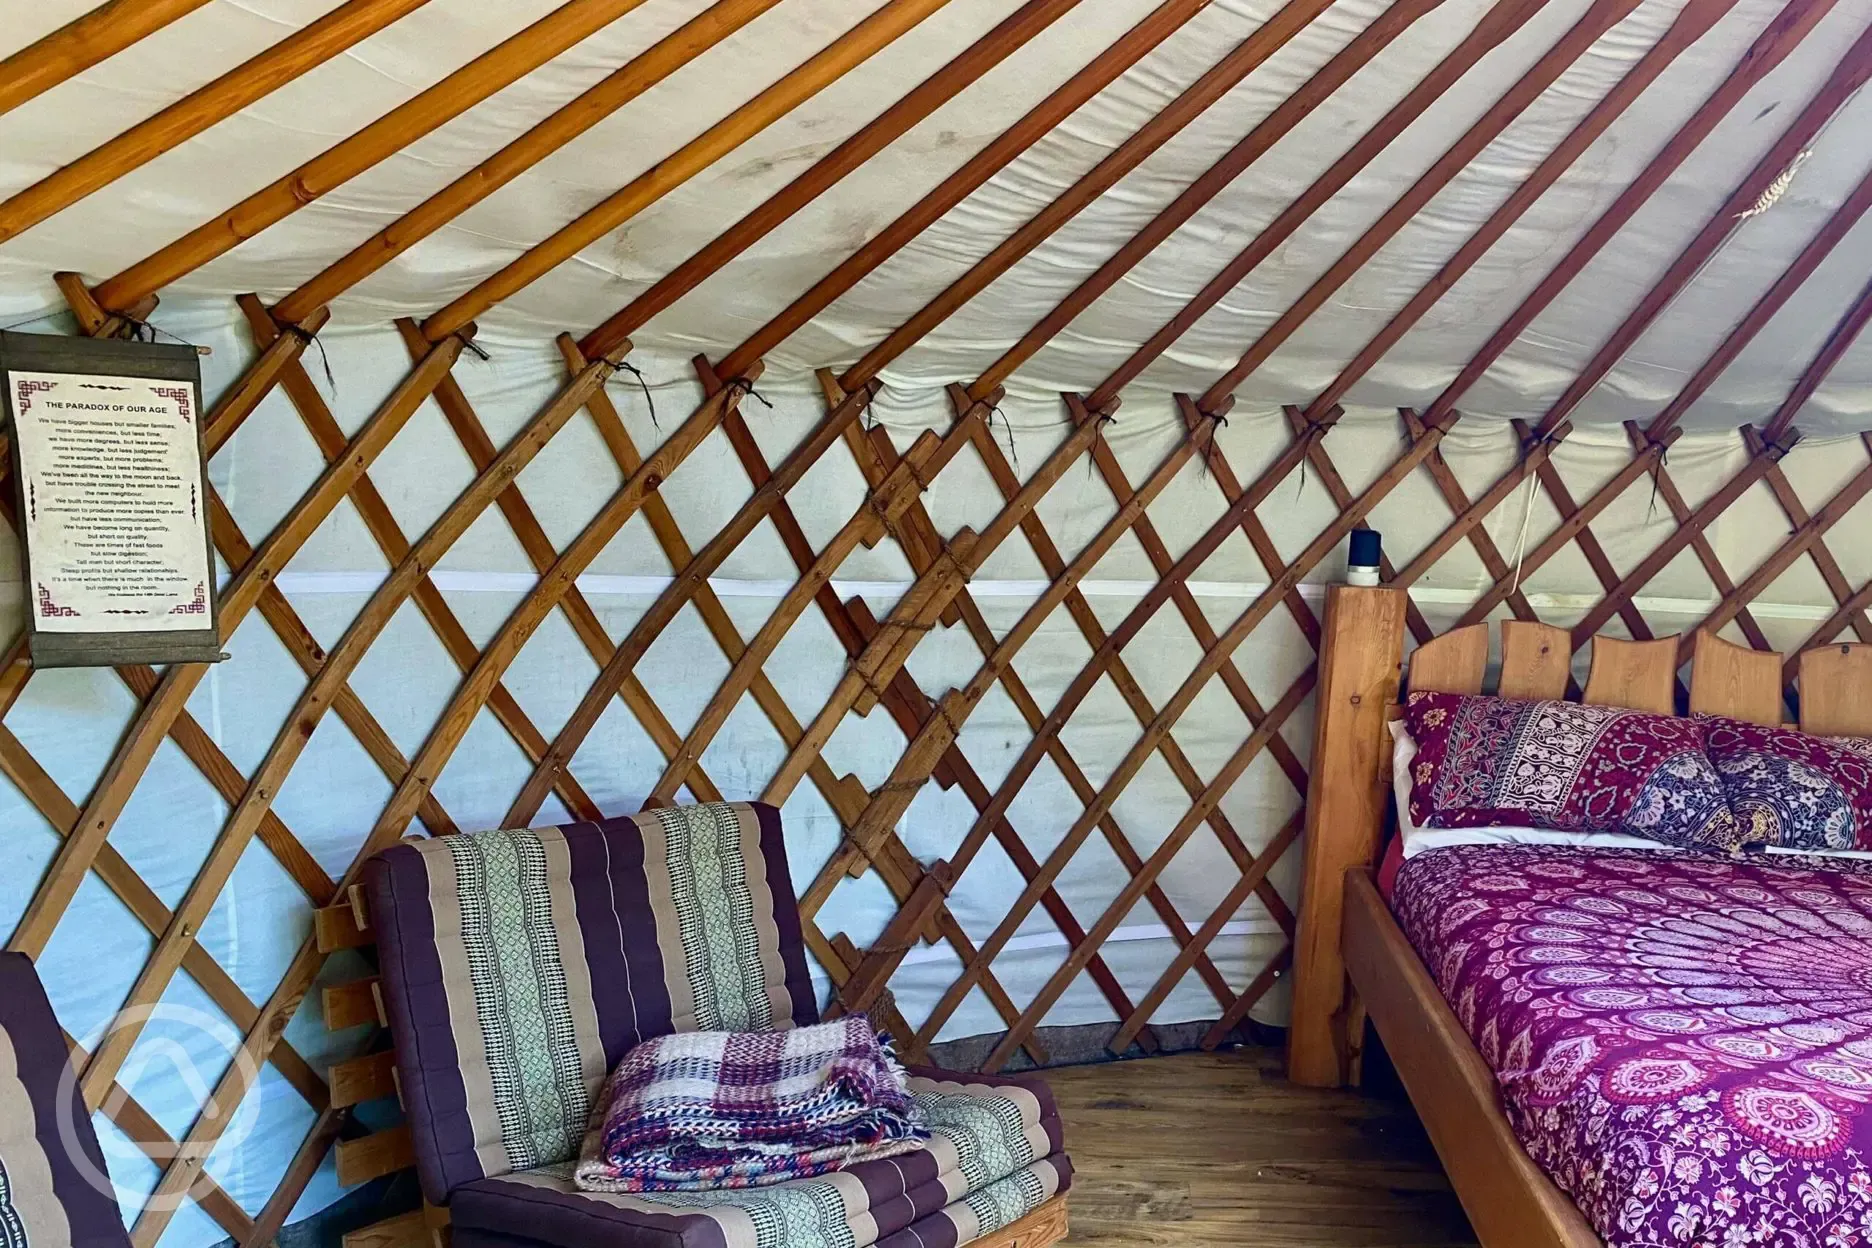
{"x": 873, "y": 623}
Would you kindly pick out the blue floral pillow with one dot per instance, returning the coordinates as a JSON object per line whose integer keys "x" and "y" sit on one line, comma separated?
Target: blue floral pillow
{"x": 1791, "y": 789}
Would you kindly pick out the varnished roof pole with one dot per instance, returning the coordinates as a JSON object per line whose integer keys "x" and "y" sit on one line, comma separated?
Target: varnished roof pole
{"x": 827, "y": 66}
{"x": 1693, "y": 21}
{"x": 614, "y": 91}
{"x": 1498, "y": 24}
{"x": 1355, "y": 510}
{"x": 1598, "y": 19}
{"x": 1844, "y": 334}
{"x": 1191, "y": 103}
{"x": 1851, "y": 74}
{"x": 1774, "y": 44}
{"x": 739, "y": 362}
{"x": 1013, "y": 32}
{"x": 1792, "y": 278}
{"x": 1040, "y": 120}
{"x": 499, "y": 67}
{"x": 1768, "y": 50}
{"x": 345, "y": 26}
{"x": 83, "y": 42}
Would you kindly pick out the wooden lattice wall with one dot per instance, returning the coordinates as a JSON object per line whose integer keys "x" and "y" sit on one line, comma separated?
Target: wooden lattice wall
{"x": 895, "y": 508}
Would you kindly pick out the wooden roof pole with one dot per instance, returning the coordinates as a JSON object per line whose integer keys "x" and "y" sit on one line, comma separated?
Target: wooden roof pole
{"x": 1663, "y": 430}
{"x": 501, "y": 66}
{"x": 614, "y": 91}
{"x": 1764, "y": 55}
{"x": 1693, "y": 21}
{"x": 1844, "y": 334}
{"x": 844, "y": 54}
{"x": 1496, "y": 25}
{"x": 926, "y": 97}
{"x": 1125, "y": 52}
{"x": 1663, "y": 426}
{"x": 348, "y": 24}
{"x": 1429, "y": 436}
{"x": 1792, "y": 279}
{"x": 1652, "y": 441}
{"x": 1598, "y": 19}
{"x": 1768, "y": 51}
{"x": 1195, "y": 99}
{"x": 1846, "y": 80}
{"x": 83, "y": 42}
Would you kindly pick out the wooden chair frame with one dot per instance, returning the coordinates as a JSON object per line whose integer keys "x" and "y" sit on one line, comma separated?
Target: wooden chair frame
{"x": 1354, "y": 961}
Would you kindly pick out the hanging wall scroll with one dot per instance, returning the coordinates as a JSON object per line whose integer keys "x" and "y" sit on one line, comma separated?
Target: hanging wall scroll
{"x": 108, "y": 468}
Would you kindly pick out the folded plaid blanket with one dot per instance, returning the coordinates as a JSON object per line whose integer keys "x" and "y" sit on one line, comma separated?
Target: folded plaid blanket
{"x": 717, "y": 1109}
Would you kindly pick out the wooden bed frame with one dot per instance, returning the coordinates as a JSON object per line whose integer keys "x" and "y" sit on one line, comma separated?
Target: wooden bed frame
{"x": 1353, "y": 962}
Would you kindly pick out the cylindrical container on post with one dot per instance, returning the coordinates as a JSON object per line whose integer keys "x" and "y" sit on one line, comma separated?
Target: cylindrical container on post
{"x": 1362, "y": 561}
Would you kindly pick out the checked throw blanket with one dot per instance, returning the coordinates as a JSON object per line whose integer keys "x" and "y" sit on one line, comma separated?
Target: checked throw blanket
{"x": 716, "y": 1109}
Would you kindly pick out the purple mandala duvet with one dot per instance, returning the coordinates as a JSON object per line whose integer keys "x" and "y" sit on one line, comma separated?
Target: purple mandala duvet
{"x": 1683, "y": 1042}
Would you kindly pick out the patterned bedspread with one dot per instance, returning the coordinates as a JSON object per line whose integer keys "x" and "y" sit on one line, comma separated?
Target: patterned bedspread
{"x": 1683, "y": 1042}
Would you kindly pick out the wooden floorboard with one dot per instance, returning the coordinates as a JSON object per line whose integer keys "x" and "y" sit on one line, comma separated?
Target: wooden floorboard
{"x": 1218, "y": 1149}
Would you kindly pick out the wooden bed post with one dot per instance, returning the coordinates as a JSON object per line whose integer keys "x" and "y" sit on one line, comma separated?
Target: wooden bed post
{"x": 1361, "y": 654}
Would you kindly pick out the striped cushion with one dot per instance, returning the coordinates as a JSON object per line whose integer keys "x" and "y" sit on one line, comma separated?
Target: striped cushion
{"x": 994, "y": 1157}
{"x": 54, "y": 1189}
{"x": 519, "y": 966}
{"x": 987, "y": 1211}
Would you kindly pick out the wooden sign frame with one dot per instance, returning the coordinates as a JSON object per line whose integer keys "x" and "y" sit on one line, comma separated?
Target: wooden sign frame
{"x": 47, "y": 353}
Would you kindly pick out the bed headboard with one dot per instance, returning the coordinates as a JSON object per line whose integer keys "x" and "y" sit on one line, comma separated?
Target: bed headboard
{"x": 1362, "y": 673}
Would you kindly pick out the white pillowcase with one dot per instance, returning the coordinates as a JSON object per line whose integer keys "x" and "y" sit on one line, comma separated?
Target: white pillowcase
{"x": 1417, "y": 840}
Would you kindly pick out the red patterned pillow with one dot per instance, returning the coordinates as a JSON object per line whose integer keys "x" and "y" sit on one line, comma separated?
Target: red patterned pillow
{"x": 1571, "y": 768}
{"x": 1790, "y": 789}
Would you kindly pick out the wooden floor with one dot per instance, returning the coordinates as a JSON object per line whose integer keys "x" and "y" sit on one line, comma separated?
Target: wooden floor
{"x": 1217, "y": 1149}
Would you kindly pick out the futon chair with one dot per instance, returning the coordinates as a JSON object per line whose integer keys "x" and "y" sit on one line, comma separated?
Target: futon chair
{"x": 54, "y": 1189}
{"x": 519, "y": 966}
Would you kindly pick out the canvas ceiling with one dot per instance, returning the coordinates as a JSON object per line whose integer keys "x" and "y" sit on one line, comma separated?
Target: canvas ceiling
{"x": 186, "y": 187}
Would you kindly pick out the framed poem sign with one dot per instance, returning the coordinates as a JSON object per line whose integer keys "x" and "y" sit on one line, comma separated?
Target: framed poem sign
{"x": 108, "y": 471}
